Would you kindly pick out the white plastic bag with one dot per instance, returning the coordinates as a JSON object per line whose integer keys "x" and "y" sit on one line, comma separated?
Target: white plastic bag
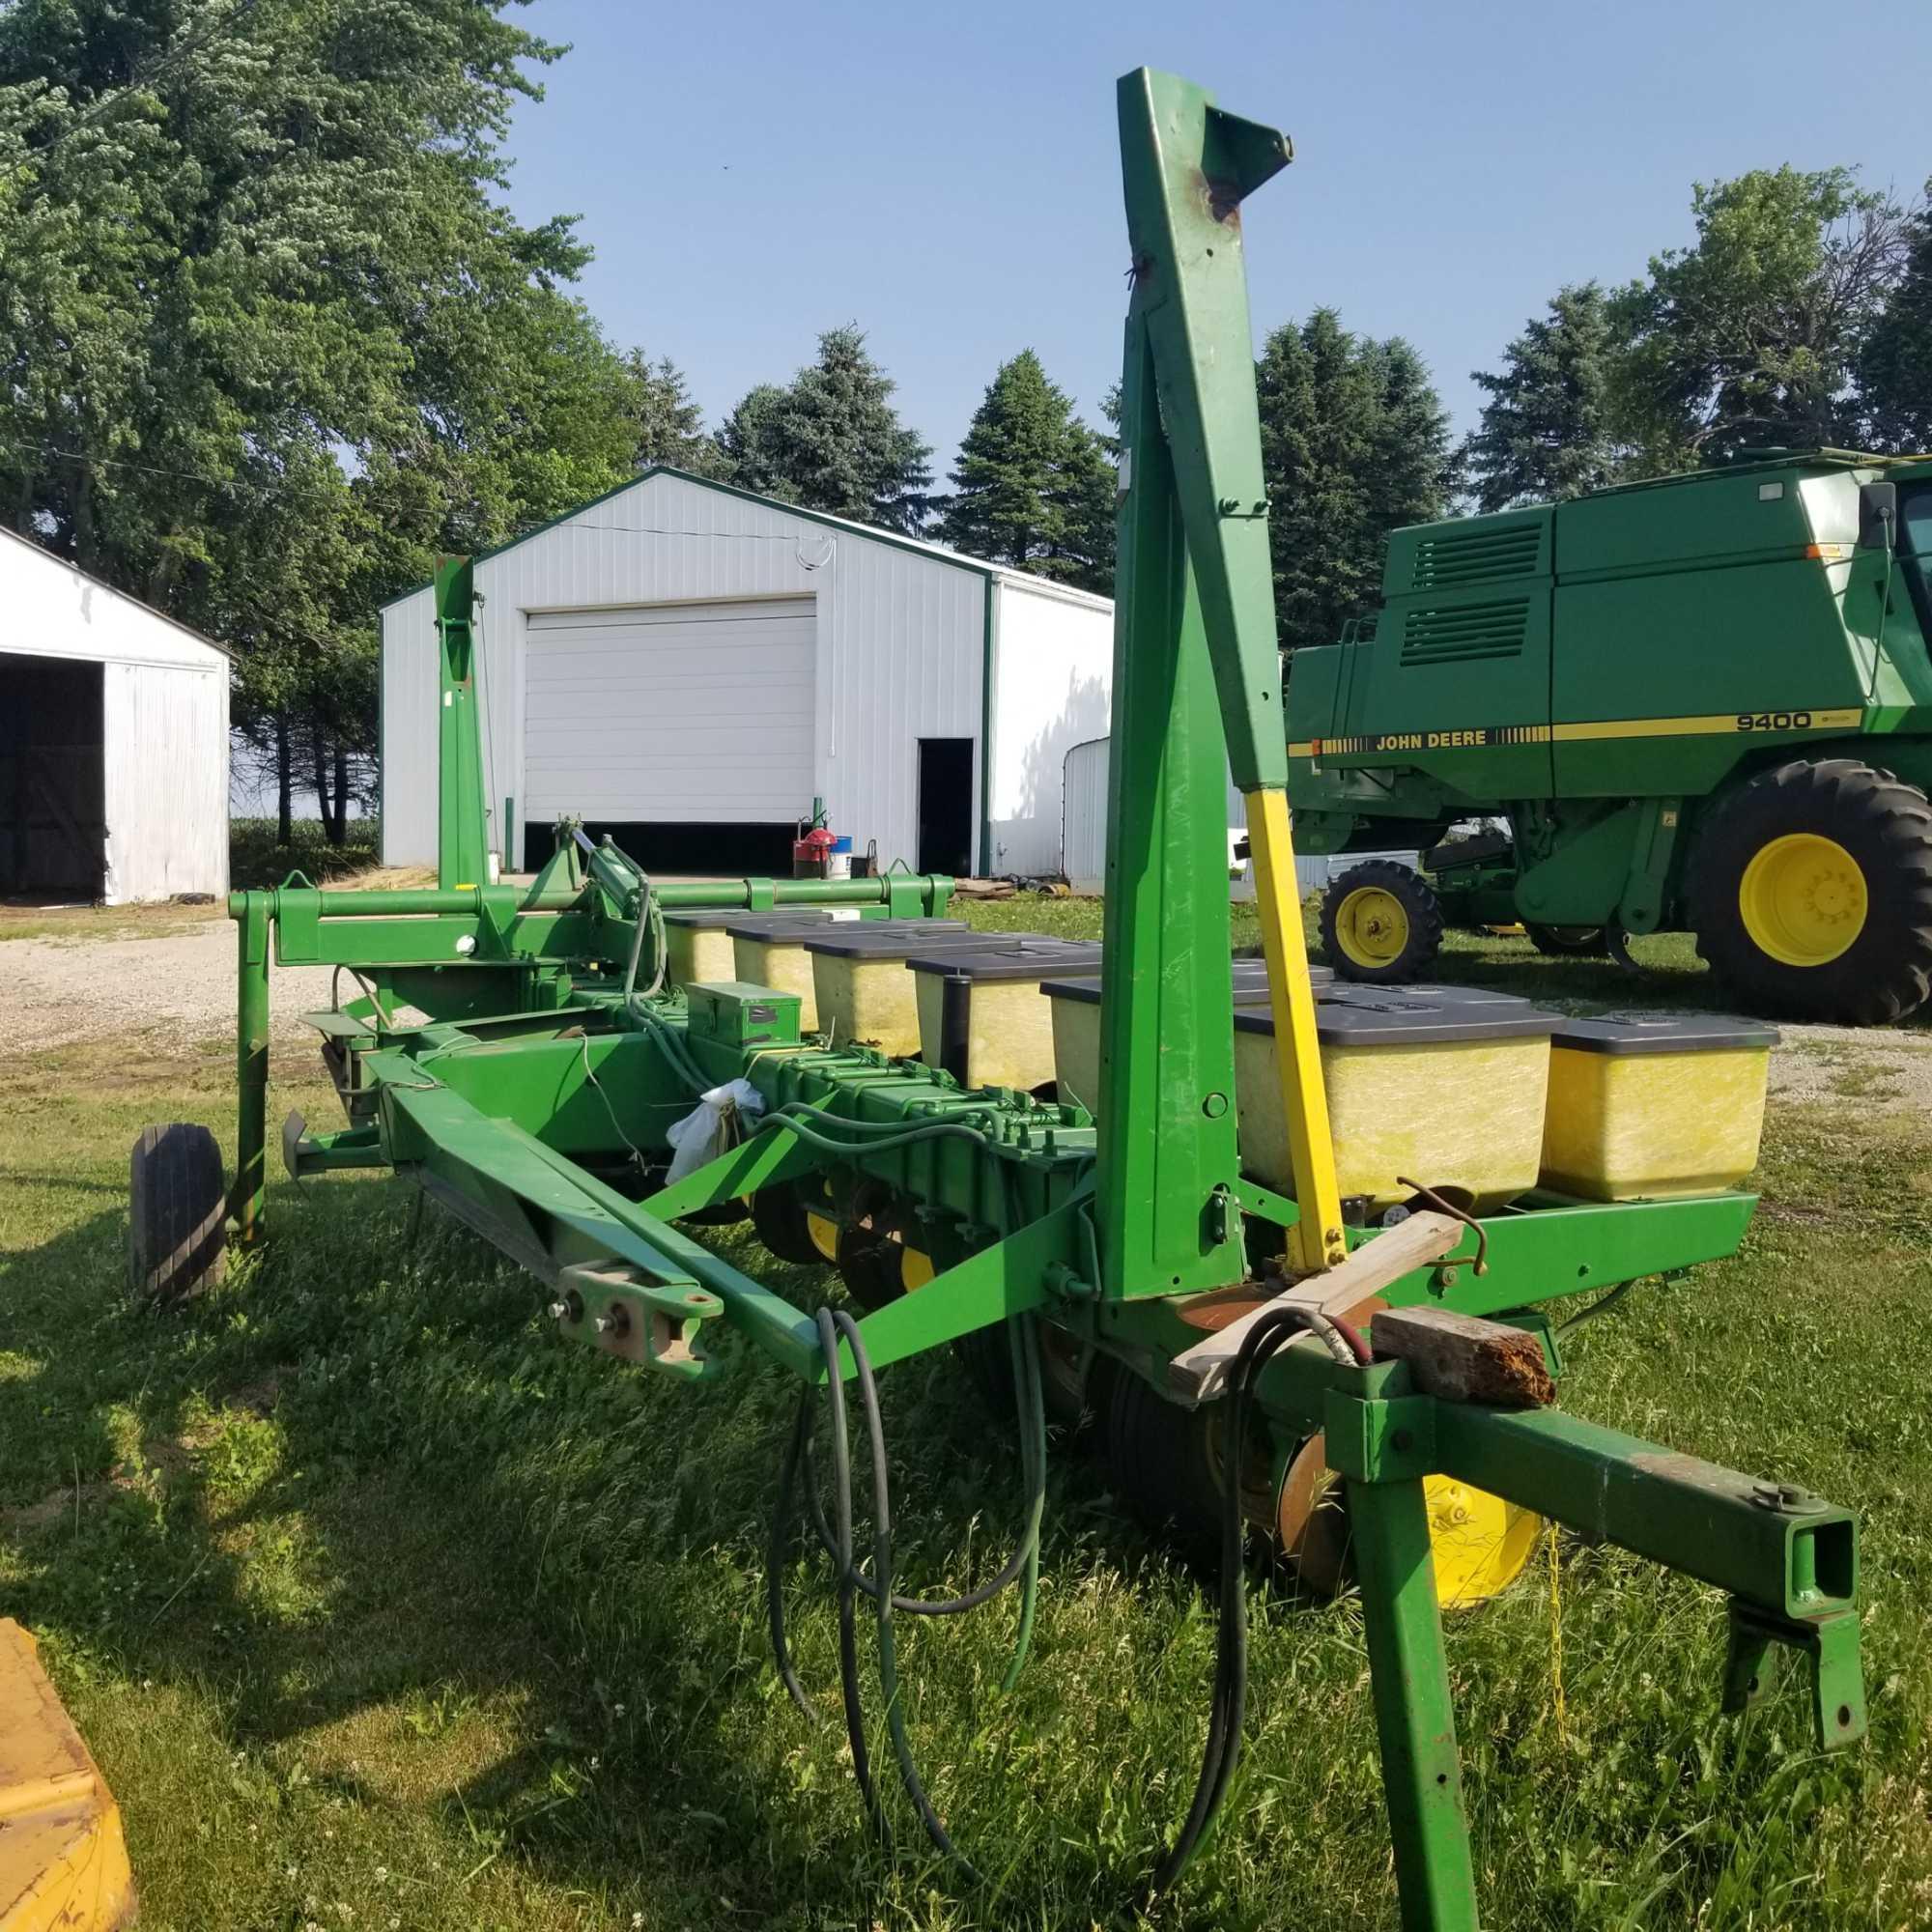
{"x": 703, "y": 1135}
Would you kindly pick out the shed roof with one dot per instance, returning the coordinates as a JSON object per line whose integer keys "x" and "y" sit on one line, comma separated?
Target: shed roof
{"x": 54, "y": 562}
{"x": 979, "y": 566}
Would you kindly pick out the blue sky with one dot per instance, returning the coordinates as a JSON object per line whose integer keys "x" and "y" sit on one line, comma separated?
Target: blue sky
{"x": 948, "y": 176}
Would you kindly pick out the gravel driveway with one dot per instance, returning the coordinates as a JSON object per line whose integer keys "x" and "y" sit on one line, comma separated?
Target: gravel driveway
{"x": 177, "y": 988}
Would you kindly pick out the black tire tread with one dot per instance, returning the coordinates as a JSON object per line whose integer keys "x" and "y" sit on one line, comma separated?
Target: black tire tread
{"x": 1418, "y": 900}
{"x": 1887, "y": 823}
{"x": 177, "y": 1211}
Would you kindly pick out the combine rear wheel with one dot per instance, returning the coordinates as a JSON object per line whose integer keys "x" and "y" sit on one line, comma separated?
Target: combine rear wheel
{"x": 1382, "y": 923}
{"x": 1810, "y": 892}
{"x": 177, "y": 1211}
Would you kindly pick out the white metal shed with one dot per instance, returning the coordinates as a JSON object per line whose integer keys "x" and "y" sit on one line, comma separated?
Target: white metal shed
{"x": 689, "y": 666}
{"x": 113, "y": 740}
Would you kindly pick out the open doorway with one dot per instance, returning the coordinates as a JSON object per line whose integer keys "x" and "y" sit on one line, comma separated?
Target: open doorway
{"x": 53, "y": 811}
{"x": 945, "y": 805}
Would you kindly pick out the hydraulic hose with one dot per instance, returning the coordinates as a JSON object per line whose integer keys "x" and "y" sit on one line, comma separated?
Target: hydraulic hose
{"x": 1222, "y": 1750}
{"x": 836, "y": 1327}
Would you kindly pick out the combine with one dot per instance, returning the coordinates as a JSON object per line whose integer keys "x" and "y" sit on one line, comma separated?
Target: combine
{"x": 1145, "y": 1176}
{"x": 1702, "y": 703}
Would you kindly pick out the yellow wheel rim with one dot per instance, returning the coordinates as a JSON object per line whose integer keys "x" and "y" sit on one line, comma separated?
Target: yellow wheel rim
{"x": 1802, "y": 899}
{"x": 1372, "y": 926}
{"x": 916, "y": 1268}
{"x": 824, "y": 1234}
{"x": 1480, "y": 1542}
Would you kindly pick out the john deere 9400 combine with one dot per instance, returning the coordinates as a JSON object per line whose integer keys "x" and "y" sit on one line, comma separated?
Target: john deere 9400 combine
{"x": 1701, "y": 703}
{"x": 1236, "y": 1279}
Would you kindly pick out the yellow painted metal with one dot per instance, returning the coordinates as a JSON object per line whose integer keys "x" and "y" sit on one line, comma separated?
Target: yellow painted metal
{"x": 916, "y": 1269}
{"x": 1802, "y": 899}
{"x": 1480, "y": 1543}
{"x": 824, "y": 1234}
{"x": 1316, "y": 1242}
{"x": 1652, "y": 1125}
{"x": 1372, "y": 926}
{"x": 63, "y": 1859}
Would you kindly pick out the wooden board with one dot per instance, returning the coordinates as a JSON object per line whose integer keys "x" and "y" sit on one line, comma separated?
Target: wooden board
{"x": 1461, "y": 1360}
{"x": 1197, "y": 1372}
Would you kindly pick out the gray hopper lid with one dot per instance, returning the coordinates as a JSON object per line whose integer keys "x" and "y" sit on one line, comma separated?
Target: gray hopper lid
{"x": 1662, "y": 1032}
{"x": 1377, "y": 1017}
{"x": 917, "y": 936}
{"x": 1033, "y": 960}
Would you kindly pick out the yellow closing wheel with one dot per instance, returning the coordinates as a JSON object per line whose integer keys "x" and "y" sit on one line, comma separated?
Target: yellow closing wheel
{"x": 1370, "y": 926}
{"x": 1480, "y": 1542}
{"x": 1802, "y": 899}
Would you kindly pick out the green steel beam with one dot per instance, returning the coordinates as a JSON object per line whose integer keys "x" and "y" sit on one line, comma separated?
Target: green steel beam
{"x": 459, "y": 856}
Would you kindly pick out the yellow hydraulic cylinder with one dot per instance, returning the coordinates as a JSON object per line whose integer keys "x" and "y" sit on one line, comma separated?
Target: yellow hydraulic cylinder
{"x": 1317, "y": 1241}
{"x": 63, "y": 1859}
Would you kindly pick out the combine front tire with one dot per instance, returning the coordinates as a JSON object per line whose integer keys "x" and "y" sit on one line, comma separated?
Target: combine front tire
{"x": 1382, "y": 923}
{"x": 177, "y": 1211}
{"x": 1811, "y": 893}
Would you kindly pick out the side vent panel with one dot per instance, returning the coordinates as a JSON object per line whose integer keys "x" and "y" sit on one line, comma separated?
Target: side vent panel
{"x": 1439, "y": 634}
{"x": 1457, "y": 557}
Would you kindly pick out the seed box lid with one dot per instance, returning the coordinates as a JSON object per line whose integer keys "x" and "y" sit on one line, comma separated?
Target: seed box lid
{"x": 1663, "y": 1032}
{"x": 1379, "y": 1016}
{"x": 914, "y": 936}
{"x": 1034, "y": 960}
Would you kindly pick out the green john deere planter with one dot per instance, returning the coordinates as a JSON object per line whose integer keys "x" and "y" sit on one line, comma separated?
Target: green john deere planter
{"x": 1262, "y": 1352}
{"x": 1702, "y": 703}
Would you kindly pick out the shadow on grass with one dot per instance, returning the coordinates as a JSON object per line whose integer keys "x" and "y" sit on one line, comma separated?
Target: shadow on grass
{"x": 481, "y": 1517}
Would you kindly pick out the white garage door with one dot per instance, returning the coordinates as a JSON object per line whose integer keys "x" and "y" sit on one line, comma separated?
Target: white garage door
{"x": 671, "y": 712}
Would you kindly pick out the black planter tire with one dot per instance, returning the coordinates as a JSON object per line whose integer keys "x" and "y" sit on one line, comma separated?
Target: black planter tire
{"x": 177, "y": 1212}
{"x": 1568, "y": 942}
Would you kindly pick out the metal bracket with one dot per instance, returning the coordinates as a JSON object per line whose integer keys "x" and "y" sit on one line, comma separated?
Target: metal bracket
{"x": 613, "y": 1309}
{"x": 1830, "y": 1644}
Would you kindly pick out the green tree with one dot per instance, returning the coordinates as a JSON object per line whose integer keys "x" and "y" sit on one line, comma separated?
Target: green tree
{"x": 1354, "y": 443}
{"x": 1547, "y": 431}
{"x": 669, "y": 425}
{"x": 831, "y": 441}
{"x": 1034, "y": 489}
{"x": 1753, "y": 334}
{"x": 1896, "y": 364}
{"x": 268, "y": 337}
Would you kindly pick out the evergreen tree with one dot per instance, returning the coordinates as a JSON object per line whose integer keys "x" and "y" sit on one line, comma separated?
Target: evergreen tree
{"x": 1034, "y": 488}
{"x": 831, "y": 441}
{"x": 1547, "y": 432}
{"x": 1354, "y": 443}
{"x": 669, "y": 427}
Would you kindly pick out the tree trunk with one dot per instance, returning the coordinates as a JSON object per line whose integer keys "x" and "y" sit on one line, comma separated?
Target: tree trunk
{"x": 285, "y": 802}
{"x": 331, "y": 828}
{"x": 341, "y": 794}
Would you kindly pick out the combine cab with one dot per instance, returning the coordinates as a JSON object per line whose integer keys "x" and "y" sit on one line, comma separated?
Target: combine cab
{"x": 1698, "y": 705}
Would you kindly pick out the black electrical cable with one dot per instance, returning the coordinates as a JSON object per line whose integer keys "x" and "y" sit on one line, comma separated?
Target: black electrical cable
{"x": 779, "y": 1547}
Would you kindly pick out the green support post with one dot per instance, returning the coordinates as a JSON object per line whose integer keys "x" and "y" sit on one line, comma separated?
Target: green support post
{"x": 251, "y": 1067}
{"x": 1415, "y": 1719}
{"x": 460, "y": 862}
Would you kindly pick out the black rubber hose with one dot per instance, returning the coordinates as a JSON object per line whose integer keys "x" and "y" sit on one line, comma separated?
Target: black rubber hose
{"x": 779, "y": 1547}
{"x": 882, "y": 1569}
{"x": 848, "y": 1597}
{"x": 1222, "y": 1750}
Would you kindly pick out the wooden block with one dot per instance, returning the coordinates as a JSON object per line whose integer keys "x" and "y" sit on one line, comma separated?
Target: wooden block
{"x": 1197, "y": 1372}
{"x": 1461, "y": 1360}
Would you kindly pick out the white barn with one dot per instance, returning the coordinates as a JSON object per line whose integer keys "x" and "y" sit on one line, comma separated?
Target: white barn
{"x": 689, "y": 666}
{"x": 113, "y": 740}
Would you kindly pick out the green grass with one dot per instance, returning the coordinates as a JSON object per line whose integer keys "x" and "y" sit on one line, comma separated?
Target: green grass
{"x": 255, "y": 861}
{"x": 369, "y": 1595}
